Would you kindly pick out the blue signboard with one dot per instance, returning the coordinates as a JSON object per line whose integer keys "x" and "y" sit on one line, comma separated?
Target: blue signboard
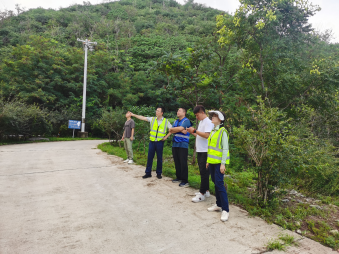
{"x": 74, "y": 124}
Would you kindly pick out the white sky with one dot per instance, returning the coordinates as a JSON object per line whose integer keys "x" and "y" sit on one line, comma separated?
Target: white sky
{"x": 325, "y": 19}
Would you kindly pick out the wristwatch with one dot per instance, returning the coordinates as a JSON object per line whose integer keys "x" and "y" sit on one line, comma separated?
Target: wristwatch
{"x": 195, "y": 131}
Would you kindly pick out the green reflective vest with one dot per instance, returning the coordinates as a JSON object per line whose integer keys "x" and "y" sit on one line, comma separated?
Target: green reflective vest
{"x": 214, "y": 153}
{"x": 157, "y": 133}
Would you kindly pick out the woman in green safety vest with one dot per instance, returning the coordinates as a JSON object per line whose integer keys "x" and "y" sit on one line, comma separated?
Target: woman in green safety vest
{"x": 218, "y": 156}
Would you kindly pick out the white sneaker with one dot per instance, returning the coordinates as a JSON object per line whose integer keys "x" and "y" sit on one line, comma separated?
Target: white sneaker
{"x": 224, "y": 216}
{"x": 214, "y": 208}
{"x": 130, "y": 161}
{"x": 207, "y": 194}
{"x": 199, "y": 197}
{"x": 126, "y": 161}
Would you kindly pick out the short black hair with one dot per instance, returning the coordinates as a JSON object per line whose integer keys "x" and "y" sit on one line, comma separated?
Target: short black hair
{"x": 198, "y": 109}
{"x": 162, "y": 109}
{"x": 184, "y": 109}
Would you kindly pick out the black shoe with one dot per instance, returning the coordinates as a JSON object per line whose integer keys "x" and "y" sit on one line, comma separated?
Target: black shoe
{"x": 176, "y": 180}
{"x": 146, "y": 176}
{"x": 159, "y": 176}
{"x": 183, "y": 184}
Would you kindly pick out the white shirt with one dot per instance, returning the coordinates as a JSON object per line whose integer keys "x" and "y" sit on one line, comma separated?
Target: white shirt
{"x": 202, "y": 143}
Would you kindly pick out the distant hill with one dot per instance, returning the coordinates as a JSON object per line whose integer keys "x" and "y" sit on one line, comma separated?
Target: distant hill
{"x": 144, "y": 28}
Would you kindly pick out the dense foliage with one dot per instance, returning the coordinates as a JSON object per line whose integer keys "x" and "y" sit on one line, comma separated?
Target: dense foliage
{"x": 41, "y": 46}
{"x": 42, "y": 63}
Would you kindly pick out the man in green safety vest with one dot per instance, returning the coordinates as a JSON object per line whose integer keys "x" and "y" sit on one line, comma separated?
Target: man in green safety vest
{"x": 159, "y": 127}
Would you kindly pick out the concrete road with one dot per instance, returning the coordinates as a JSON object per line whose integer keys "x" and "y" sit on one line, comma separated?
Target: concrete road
{"x": 69, "y": 197}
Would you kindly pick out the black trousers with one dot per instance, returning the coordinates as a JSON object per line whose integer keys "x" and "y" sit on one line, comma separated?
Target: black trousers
{"x": 204, "y": 172}
{"x": 180, "y": 160}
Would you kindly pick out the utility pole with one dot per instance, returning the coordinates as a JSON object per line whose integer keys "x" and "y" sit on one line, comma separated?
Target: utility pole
{"x": 87, "y": 45}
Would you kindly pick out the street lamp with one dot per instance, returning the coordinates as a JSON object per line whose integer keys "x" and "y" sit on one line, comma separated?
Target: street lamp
{"x": 87, "y": 45}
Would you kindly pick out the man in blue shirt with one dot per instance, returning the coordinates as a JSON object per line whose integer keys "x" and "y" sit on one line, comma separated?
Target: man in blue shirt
{"x": 180, "y": 147}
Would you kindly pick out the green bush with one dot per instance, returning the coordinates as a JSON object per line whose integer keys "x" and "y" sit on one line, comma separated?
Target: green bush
{"x": 18, "y": 118}
{"x": 64, "y": 131}
{"x": 282, "y": 150}
{"x": 112, "y": 122}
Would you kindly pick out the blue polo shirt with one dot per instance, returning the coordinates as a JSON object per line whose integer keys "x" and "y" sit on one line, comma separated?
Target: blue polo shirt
{"x": 186, "y": 124}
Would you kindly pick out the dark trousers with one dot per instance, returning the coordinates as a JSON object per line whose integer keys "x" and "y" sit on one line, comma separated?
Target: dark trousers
{"x": 220, "y": 190}
{"x": 154, "y": 147}
{"x": 180, "y": 160}
{"x": 204, "y": 173}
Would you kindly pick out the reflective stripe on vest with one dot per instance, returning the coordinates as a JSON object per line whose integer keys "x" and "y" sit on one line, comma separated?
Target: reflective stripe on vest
{"x": 180, "y": 137}
{"x": 214, "y": 154}
{"x": 157, "y": 133}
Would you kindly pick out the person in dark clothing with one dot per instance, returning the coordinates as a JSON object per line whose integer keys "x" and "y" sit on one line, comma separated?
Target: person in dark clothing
{"x": 180, "y": 147}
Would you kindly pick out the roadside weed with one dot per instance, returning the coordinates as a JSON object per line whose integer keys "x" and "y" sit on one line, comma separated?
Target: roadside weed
{"x": 288, "y": 239}
{"x": 275, "y": 245}
{"x": 281, "y": 243}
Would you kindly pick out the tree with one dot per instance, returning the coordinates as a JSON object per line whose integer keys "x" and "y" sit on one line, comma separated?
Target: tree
{"x": 113, "y": 121}
{"x": 281, "y": 150}
{"x": 272, "y": 37}
{"x": 187, "y": 74}
{"x": 18, "y": 118}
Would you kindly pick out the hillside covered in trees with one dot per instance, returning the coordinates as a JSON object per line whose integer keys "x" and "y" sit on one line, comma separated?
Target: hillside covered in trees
{"x": 42, "y": 46}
